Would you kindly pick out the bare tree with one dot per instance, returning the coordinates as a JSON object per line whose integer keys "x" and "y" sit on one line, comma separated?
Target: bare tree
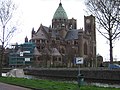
{"x": 107, "y": 13}
{"x": 7, "y": 8}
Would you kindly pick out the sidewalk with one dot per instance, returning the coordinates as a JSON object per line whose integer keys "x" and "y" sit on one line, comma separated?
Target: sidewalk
{"x": 4, "y": 86}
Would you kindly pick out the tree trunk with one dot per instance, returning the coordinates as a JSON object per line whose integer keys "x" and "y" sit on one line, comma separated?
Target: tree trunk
{"x": 0, "y": 62}
{"x": 110, "y": 40}
{"x": 111, "y": 52}
{"x": 1, "y": 59}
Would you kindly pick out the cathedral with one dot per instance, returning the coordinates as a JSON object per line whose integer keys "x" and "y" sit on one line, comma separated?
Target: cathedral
{"x": 59, "y": 44}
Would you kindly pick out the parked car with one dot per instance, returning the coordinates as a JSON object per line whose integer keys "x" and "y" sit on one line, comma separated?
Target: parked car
{"x": 114, "y": 66}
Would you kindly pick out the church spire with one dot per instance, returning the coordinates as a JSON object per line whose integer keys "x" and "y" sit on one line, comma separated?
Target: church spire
{"x": 60, "y": 3}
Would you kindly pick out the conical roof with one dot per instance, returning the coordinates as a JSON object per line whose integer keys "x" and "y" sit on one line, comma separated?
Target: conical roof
{"x": 55, "y": 52}
{"x": 60, "y": 13}
{"x": 36, "y": 52}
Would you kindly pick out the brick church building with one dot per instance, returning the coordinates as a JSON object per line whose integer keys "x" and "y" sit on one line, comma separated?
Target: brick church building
{"x": 58, "y": 44}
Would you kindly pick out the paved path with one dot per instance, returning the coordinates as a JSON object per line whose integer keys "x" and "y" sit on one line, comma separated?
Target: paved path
{"x": 4, "y": 86}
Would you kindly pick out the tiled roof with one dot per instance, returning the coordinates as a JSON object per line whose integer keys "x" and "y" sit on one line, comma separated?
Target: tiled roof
{"x": 60, "y": 13}
{"x": 46, "y": 29}
{"x": 72, "y": 34}
{"x": 40, "y": 34}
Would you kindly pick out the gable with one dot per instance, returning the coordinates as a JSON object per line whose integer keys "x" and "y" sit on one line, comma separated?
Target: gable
{"x": 40, "y": 34}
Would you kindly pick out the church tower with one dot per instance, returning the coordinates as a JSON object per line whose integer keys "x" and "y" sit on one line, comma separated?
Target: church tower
{"x": 89, "y": 23}
{"x": 60, "y": 21}
{"x": 60, "y": 18}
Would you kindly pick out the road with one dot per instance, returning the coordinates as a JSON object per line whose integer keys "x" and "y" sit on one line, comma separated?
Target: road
{"x": 4, "y": 86}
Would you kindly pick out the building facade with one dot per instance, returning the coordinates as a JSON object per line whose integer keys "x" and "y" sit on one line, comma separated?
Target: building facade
{"x": 22, "y": 55}
{"x": 58, "y": 44}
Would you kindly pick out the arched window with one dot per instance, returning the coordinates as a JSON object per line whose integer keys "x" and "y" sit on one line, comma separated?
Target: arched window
{"x": 85, "y": 48}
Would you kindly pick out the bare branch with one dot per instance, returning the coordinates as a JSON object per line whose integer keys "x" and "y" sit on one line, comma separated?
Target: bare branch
{"x": 103, "y": 34}
{"x": 7, "y": 9}
{"x": 6, "y": 13}
{"x": 10, "y": 34}
{"x": 107, "y": 13}
{"x": 1, "y": 40}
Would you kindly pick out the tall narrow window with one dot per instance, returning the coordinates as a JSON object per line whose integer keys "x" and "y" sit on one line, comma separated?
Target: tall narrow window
{"x": 85, "y": 48}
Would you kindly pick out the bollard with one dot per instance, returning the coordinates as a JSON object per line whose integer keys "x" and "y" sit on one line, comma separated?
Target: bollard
{"x": 80, "y": 80}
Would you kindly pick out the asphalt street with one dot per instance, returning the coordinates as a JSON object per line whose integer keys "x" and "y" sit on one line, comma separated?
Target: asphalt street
{"x": 4, "y": 86}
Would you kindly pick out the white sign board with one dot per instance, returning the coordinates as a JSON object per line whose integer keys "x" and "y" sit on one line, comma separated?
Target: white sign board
{"x": 21, "y": 53}
{"x": 79, "y": 60}
{"x": 27, "y": 59}
{"x": 26, "y": 51}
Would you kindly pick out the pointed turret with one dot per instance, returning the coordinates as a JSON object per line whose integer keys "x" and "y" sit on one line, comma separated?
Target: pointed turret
{"x": 26, "y": 39}
{"x": 33, "y": 32}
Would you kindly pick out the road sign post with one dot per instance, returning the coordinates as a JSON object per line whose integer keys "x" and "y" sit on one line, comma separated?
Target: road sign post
{"x": 79, "y": 60}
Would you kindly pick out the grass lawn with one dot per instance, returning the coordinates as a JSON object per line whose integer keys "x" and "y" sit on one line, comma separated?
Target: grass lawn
{"x": 49, "y": 84}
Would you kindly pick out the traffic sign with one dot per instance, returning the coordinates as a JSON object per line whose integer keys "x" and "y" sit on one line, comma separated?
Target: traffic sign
{"x": 79, "y": 60}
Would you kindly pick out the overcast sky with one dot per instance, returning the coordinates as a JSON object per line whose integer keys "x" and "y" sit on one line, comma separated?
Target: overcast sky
{"x": 32, "y": 13}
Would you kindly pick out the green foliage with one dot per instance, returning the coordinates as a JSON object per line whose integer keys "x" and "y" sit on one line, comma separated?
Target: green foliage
{"x": 48, "y": 84}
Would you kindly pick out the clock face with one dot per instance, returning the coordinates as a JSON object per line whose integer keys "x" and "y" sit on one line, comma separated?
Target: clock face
{"x": 87, "y": 20}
